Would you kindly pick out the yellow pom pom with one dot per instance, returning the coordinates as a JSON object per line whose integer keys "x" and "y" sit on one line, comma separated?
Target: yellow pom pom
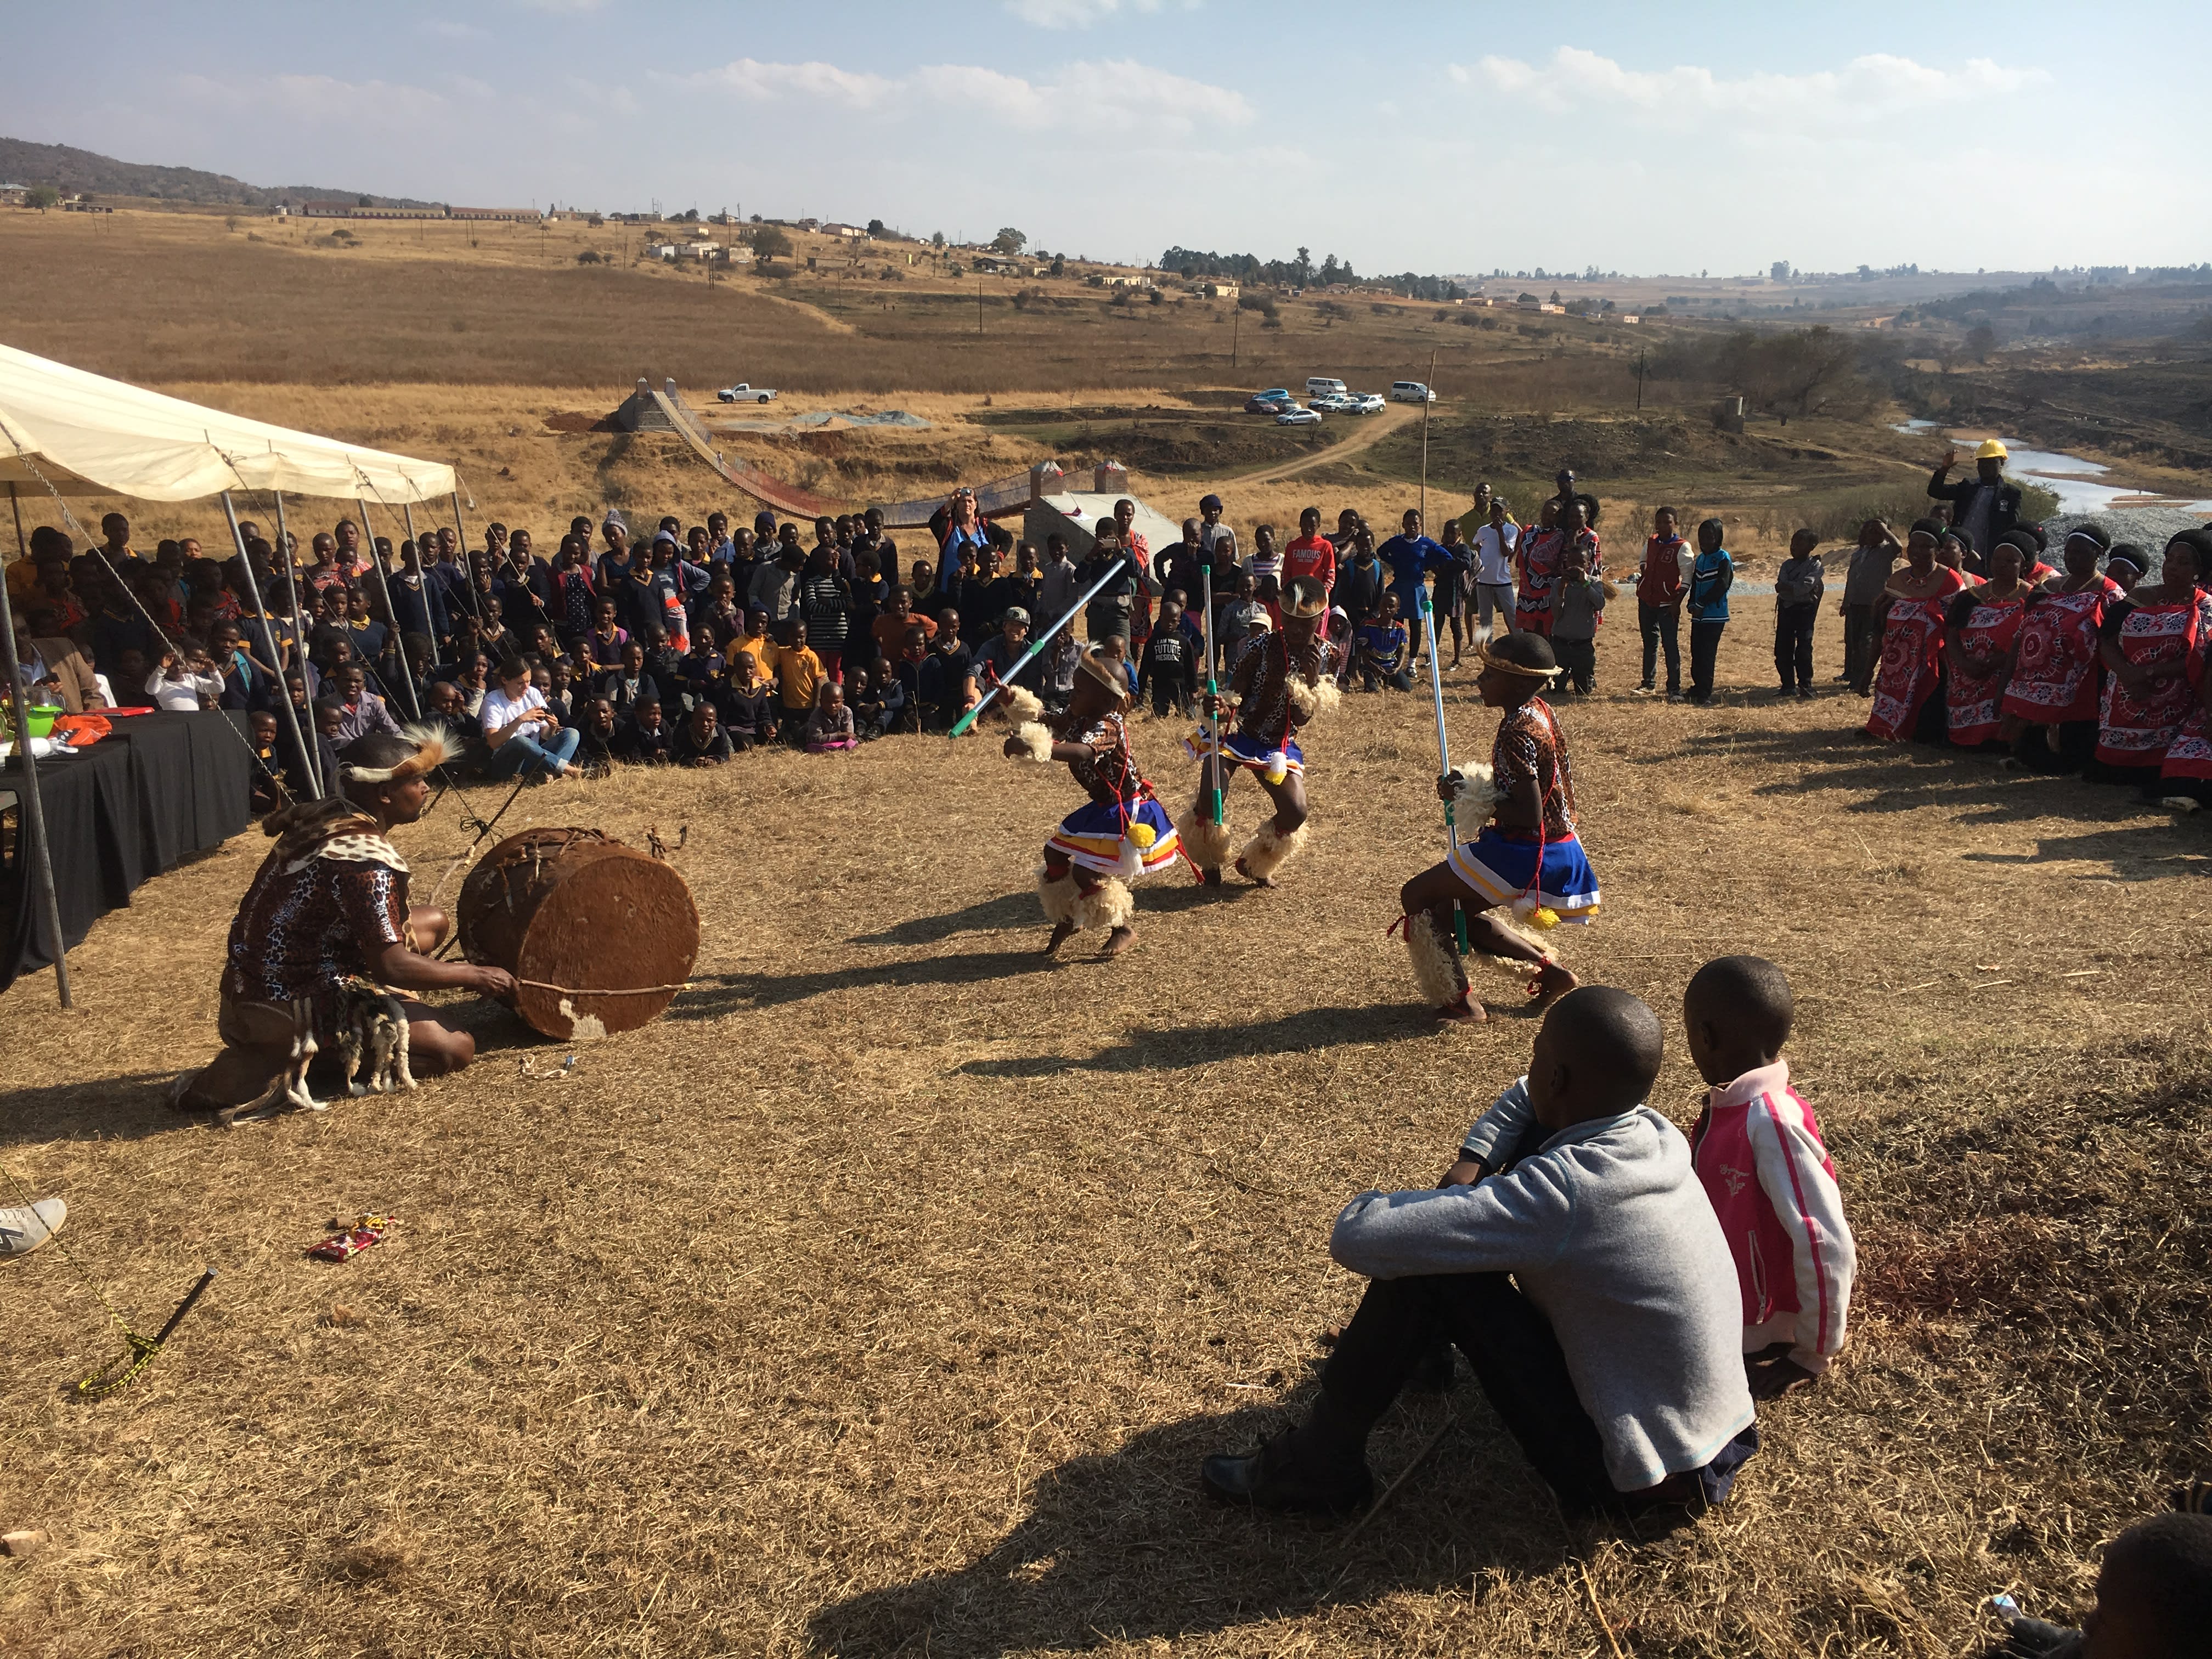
{"x": 1141, "y": 835}
{"x": 1276, "y": 773}
{"x": 1545, "y": 916}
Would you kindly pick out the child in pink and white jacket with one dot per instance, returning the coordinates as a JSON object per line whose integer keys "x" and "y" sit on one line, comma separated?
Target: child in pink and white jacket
{"x": 1757, "y": 1148}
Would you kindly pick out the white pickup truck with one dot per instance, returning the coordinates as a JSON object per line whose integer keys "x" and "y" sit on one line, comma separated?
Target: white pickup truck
{"x": 742, "y": 393}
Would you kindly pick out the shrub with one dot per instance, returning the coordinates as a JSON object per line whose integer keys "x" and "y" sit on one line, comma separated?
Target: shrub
{"x": 587, "y": 257}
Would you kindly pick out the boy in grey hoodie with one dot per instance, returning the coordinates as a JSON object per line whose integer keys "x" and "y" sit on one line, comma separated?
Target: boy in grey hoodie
{"x": 1611, "y": 1352}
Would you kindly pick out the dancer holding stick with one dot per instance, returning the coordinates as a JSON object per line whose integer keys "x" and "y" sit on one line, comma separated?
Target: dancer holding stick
{"x": 1036, "y": 646}
{"x": 1205, "y": 843}
{"x": 1525, "y": 857}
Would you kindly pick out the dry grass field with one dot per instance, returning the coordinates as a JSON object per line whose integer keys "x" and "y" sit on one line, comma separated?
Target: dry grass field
{"x": 880, "y": 1299}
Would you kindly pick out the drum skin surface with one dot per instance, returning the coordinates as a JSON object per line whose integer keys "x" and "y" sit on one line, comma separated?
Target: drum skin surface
{"x": 598, "y": 935}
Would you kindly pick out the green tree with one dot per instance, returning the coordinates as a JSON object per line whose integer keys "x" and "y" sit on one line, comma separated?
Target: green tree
{"x": 1009, "y": 240}
{"x": 1981, "y": 340}
{"x": 937, "y": 239}
{"x": 769, "y": 243}
{"x": 41, "y": 197}
{"x": 875, "y": 226}
{"x": 362, "y": 201}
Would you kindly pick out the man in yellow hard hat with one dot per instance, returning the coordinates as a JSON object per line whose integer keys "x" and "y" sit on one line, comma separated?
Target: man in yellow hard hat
{"x": 1986, "y": 506}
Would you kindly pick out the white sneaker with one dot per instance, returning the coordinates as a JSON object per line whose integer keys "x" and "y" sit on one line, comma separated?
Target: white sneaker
{"x": 23, "y": 1230}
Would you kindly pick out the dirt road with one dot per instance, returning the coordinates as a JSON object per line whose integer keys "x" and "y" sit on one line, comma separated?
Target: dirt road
{"x": 1369, "y": 430}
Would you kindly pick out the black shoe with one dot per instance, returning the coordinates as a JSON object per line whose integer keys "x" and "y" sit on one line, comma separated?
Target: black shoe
{"x": 1273, "y": 1478}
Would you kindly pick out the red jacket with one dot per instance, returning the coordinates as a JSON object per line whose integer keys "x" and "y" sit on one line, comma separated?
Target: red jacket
{"x": 1757, "y": 1149}
{"x": 1660, "y": 581}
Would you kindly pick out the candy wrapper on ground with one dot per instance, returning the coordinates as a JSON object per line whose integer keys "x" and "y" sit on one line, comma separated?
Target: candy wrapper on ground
{"x": 346, "y": 1242}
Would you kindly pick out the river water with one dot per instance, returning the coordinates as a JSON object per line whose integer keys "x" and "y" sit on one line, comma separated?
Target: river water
{"x": 2082, "y": 485}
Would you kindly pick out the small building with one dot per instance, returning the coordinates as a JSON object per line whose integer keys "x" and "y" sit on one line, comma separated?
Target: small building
{"x": 851, "y": 233}
{"x": 1219, "y": 290}
{"x": 1629, "y": 317}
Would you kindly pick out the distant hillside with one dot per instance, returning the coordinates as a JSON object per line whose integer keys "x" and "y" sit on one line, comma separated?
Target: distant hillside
{"x": 73, "y": 170}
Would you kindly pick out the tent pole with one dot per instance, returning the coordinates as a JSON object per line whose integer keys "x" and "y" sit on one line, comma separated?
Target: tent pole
{"x": 268, "y": 644}
{"x": 391, "y": 618}
{"x": 323, "y": 786}
{"x": 34, "y": 807}
{"x": 468, "y": 559}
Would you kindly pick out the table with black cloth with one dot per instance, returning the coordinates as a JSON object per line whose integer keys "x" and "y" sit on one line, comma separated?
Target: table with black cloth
{"x": 158, "y": 788}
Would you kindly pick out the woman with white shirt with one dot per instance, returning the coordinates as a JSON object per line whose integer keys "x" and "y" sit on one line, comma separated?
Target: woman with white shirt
{"x": 523, "y": 733}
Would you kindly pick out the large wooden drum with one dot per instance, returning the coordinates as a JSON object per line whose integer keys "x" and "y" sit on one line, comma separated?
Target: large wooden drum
{"x": 597, "y": 935}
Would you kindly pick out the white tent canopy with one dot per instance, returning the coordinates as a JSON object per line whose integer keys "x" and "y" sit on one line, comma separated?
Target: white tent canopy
{"x": 89, "y": 435}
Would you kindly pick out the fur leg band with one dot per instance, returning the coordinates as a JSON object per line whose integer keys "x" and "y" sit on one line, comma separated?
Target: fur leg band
{"x": 1059, "y": 896}
{"x": 1022, "y": 704}
{"x": 1269, "y": 849}
{"x": 1205, "y": 843}
{"x": 1110, "y": 905}
{"x": 1435, "y": 965}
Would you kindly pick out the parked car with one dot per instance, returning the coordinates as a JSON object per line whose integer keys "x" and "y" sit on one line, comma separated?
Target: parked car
{"x": 1411, "y": 392}
{"x": 1319, "y": 386}
{"x": 742, "y": 393}
{"x": 1337, "y": 403}
{"x": 1367, "y": 402}
{"x": 1273, "y": 402}
{"x": 1295, "y": 415}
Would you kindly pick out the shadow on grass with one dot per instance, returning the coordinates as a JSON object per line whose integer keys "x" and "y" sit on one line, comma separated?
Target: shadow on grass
{"x": 713, "y": 995}
{"x": 1124, "y": 1547}
{"x": 1176, "y": 1047}
{"x": 1011, "y": 911}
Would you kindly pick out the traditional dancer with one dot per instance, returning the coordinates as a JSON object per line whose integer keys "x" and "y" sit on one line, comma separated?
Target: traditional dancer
{"x": 2150, "y": 648}
{"x": 1979, "y": 630}
{"x": 1124, "y": 833}
{"x": 2051, "y": 701}
{"x": 326, "y": 920}
{"x": 1281, "y": 684}
{"x": 1908, "y": 691}
{"x": 1526, "y": 857}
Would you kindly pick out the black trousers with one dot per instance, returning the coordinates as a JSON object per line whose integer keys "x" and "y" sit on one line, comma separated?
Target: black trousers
{"x": 1169, "y": 697}
{"x": 1793, "y": 643}
{"x": 1516, "y": 1358}
{"x": 1705, "y": 647}
{"x": 1661, "y": 625}
{"x": 1579, "y": 658}
{"x": 1861, "y": 645}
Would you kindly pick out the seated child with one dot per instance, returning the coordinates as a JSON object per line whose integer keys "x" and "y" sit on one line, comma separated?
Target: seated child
{"x": 830, "y": 728}
{"x": 1382, "y": 646}
{"x": 644, "y": 739}
{"x": 266, "y": 796}
{"x": 748, "y": 716}
{"x": 1758, "y": 1150}
{"x": 1570, "y": 1255}
{"x": 871, "y": 712}
{"x": 185, "y": 681}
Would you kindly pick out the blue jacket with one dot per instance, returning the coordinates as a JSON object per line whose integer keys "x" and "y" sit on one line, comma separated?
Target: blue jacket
{"x": 1710, "y": 577}
{"x": 1409, "y": 558}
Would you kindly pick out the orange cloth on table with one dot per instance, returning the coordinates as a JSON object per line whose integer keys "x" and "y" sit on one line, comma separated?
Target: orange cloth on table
{"x": 81, "y": 731}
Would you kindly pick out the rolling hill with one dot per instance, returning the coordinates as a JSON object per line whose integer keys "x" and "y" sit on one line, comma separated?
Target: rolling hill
{"x": 70, "y": 170}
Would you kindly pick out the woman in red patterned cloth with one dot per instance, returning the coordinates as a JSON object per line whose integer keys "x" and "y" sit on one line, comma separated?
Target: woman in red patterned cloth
{"x": 2050, "y": 704}
{"x": 2184, "y": 777}
{"x": 329, "y": 904}
{"x": 1543, "y": 545}
{"x": 1908, "y": 700}
{"x": 2153, "y": 643}
{"x": 1979, "y": 631}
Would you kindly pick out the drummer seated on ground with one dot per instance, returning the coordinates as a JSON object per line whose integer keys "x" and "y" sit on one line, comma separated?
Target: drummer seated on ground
{"x": 329, "y": 904}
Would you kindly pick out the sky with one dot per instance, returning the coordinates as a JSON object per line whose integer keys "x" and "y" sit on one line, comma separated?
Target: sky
{"x": 1437, "y": 138}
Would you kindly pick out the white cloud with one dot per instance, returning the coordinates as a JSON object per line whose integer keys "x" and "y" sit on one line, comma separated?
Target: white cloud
{"x": 1876, "y": 87}
{"x": 1166, "y": 102}
{"x": 1082, "y": 14}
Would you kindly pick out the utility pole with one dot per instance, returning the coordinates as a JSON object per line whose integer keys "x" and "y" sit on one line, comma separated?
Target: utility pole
{"x": 1640, "y": 358}
{"x": 1235, "y": 327}
{"x": 978, "y": 305}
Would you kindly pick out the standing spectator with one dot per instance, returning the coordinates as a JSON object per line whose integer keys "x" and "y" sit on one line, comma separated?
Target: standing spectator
{"x": 1183, "y": 565}
{"x": 945, "y": 680}
{"x": 799, "y": 677}
{"x": 1710, "y": 577}
{"x": 1495, "y": 545}
{"x": 1660, "y": 584}
{"x": 1986, "y": 506}
{"x": 1452, "y": 584}
{"x": 1169, "y": 664}
{"x": 825, "y": 599}
{"x": 1108, "y": 613}
{"x": 1360, "y": 580}
{"x": 965, "y": 538}
{"x": 1057, "y": 585}
{"x": 1872, "y": 561}
{"x": 1211, "y": 529}
{"x": 775, "y": 579}
{"x": 1798, "y": 585}
{"x": 1411, "y": 555}
{"x": 1577, "y": 606}
{"x": 1312, "y": 554}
